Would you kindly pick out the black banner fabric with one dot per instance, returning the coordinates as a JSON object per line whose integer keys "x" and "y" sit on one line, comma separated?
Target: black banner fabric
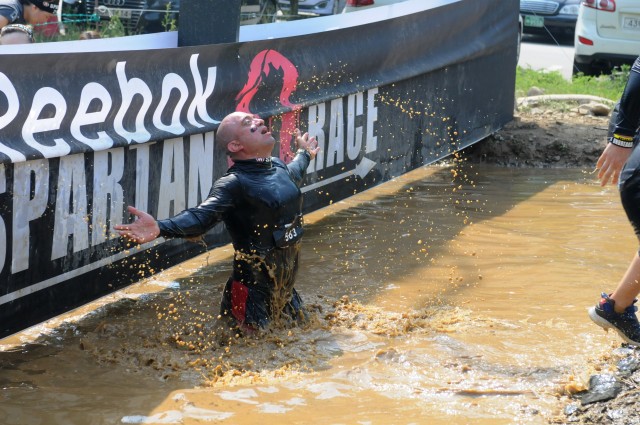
{"x": 84, "y": 135}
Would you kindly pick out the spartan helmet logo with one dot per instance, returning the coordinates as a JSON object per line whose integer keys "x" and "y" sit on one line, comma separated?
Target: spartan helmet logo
{"x": 260, "y": 69}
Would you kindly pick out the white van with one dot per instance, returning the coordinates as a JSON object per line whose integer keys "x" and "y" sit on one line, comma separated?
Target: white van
{"x": 607, "y": 35}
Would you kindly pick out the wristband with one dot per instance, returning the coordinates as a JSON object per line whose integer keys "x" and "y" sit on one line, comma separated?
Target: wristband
{"x": 301, "y": 151}
{"x": 622, "y": 141}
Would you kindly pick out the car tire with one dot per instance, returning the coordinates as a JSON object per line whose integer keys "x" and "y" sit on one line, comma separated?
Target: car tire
{"x": 585, "y": 68}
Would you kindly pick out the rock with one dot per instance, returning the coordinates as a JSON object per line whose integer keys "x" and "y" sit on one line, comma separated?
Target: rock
{"x": 595, "y": 109}
{"x": 628, "y": 365}
{"x": 601, "y": 388}
{"x": 600, "y": 110}
{"x": 571, "y": 409}
{"x": 615, "y": 414}
{"x": 535, "y": 91}
{"x": 624, "y": 350}
{"x": 584, "y": 110}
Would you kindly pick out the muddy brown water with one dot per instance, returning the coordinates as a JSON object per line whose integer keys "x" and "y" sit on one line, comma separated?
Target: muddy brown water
{"x": 455, "y": 294}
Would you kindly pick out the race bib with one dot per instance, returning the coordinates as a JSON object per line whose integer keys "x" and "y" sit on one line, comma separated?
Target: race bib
{"x": 290, "y": 234}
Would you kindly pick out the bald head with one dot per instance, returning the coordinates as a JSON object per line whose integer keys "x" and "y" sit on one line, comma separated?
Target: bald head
{"x": 228, "y": 128}
{"x": 244, "y": 136}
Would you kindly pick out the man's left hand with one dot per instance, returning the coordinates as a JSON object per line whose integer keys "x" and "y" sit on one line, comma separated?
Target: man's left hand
{"x": 611, "y": 162}
{"x": 310, "y": 144}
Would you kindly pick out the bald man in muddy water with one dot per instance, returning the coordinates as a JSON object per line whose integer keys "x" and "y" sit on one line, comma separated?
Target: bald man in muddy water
{"x": 260, "y": 202}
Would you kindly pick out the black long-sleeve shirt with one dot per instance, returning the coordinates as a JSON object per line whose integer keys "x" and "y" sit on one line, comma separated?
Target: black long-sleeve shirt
{"x": 628, "y": 118}
{"x": 254, "y": 199}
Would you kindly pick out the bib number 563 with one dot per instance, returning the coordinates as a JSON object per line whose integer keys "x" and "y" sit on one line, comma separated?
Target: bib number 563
{"x": 290, "y": 235}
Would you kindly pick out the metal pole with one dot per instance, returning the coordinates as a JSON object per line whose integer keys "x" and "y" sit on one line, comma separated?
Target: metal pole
{"x": 208, "y": 22}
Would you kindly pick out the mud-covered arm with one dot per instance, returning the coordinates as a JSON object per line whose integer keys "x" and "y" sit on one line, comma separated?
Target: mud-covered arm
{"x": 298, "y": 166}
{"x": 628, "y": 117}
{"x": 198, "y": 220}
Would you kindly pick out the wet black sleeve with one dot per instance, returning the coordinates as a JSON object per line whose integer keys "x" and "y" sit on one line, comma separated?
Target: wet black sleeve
{"x": 198, "y": 220}
{"x": 298, "y": 166}
{"x": 628, "y": 117}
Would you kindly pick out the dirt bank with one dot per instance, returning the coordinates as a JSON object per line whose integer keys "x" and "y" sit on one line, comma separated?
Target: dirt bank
{"x": 554, "y": 134}
{"x": 559, "y": 134}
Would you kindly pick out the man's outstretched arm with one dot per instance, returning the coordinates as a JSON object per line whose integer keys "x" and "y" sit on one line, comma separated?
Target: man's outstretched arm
{"x": 143, "y": 229}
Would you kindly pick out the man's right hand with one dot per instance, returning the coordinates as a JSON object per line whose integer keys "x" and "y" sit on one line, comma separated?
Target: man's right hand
{"x": 143, "y": 229}
{"x": 611, "y": 162}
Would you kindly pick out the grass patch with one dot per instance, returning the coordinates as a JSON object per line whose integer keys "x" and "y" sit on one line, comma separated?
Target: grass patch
{"x": 607, "y": 86}
{"x": 106, "y": 29}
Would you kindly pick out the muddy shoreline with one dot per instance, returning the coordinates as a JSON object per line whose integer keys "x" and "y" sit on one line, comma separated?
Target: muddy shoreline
{"x": 551, "y": 135}
{"x": 560, "y": 135}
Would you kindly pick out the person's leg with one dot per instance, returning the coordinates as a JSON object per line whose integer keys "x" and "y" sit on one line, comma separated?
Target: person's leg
{"x": 242, "y": 308}
{"x": 629, "y": 286}
{"x": 617, "y": 310}
{"x": 289, "y": 305}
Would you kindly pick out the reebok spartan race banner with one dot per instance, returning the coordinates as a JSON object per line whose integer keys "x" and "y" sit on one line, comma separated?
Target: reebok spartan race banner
{"x": 83, "y": 135}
